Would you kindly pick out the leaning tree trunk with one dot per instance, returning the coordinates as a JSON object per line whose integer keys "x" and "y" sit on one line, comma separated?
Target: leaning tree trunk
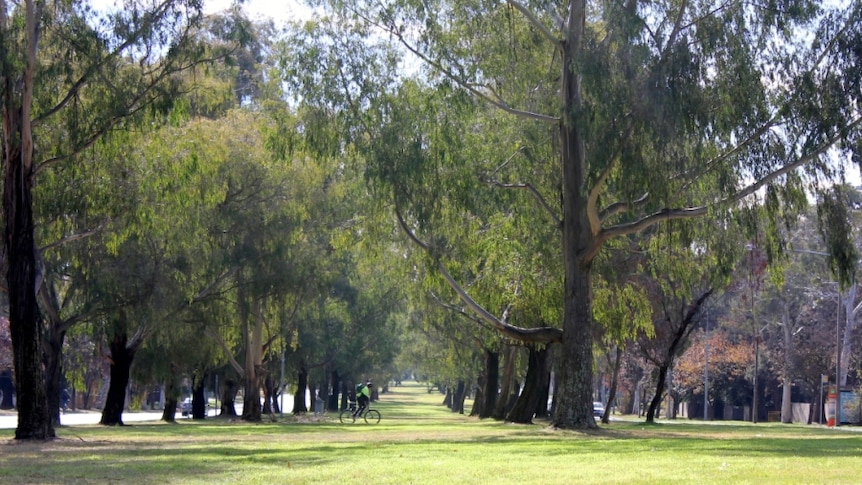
{"x": 121, "y": 364}
{"x": 612, "y": 392}
{"x": 659, "y": 392}
{"x": 492, "y": 382}
{"x": 525, "y": 407}
{"x": 299, "y": 405}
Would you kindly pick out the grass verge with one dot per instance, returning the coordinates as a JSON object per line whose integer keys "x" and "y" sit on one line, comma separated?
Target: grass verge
{"x": 419, "y": 441}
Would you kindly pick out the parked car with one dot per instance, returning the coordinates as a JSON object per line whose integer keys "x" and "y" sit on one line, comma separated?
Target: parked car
{"x": 598, "y": 409}
{"x": 186, "y": 407}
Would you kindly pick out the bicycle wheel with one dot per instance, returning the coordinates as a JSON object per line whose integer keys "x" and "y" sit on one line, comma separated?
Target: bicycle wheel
{"x": 372, "y": 416}
{"x": 346, "y": 416}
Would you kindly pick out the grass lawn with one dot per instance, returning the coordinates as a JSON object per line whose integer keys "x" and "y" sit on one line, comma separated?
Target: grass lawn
{"x": 419, "y": 441}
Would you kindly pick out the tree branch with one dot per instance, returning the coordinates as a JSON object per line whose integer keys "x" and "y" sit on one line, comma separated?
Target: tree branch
{"x": 75, "y": 237}
{"x": 538, "y": 25}
{"x": 689, "y": 212}
{"x": 536, "y": 194}
{"x": 496, "y": 102}
{"x": 540, "y": 335}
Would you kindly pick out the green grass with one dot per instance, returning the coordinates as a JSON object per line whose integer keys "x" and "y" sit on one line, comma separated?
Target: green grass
{"x": 419, "y": 441}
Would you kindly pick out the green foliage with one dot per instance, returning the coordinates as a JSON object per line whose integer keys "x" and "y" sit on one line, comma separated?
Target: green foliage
{"x": 835, "y": 227}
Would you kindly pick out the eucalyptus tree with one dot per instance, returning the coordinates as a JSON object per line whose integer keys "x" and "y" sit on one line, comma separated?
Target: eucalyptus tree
{"x": 655, "y": 110}
{"x": 66, "y": 68}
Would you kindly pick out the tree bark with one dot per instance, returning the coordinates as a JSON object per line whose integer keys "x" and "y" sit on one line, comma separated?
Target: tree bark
{"x": 574, "y": 407}
{"x": 172, "y": 394}
{"x": 458, "y": 397}
{"x": 656, "y": 400}
{"x": 228, "y": 398}
{"x": 334, "y": 382}
{"x": 786, "y": 376}
{"x": 54, "y": 370}
{"x": 525, "y": 407}
{"x": 121, "y": 363}
{"x": 479, "y": 396}
{"x": 299, "y": 405}
{"x": 847, "y": 340}
{"x": 492, "y": 382}
{"x": 22, "y": 270}
{"x": 501, "y": 409}
{"x": 199, "y": 398}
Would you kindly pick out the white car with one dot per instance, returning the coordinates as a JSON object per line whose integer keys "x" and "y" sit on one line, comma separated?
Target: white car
{"x": 598, "y": 409}
{"x": 186, "y": 407}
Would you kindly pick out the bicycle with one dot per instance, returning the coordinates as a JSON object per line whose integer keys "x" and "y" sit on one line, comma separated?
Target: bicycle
{"x": 371, "y": 416}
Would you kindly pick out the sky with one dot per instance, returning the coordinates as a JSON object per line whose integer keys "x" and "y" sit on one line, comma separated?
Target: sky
{"x": 279, "y": 11}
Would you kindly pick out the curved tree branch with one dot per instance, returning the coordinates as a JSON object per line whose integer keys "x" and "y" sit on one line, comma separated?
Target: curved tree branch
{"x": 689, "y": 212}
{"x": 540, "y": 335}
{"x": 537, "y": 24}
{"x": 536, "y": 194}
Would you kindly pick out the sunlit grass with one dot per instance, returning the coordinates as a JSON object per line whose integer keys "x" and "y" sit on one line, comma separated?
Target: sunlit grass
{"x": 420, "y": 441}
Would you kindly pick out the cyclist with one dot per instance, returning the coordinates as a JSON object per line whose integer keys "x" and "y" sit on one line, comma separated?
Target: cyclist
{"x": 363, "y": 395}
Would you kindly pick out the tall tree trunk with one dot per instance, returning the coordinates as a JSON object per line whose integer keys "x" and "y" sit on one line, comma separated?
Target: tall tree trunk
{"x": 612, "y": 392}
{"x": 525, "y": 406}
{"x": 228, "y": 398}
{"x": 22, "y": 262}
{"x": 253, "y": 335}
{"x": 270, "y": 396}
{"x": 121, "y": 363}
{"x": 458, "y": 397}
{"x": 299, "y": 405}
{"x": 508, "y": 383}
{"x": 786, "y": 377}
{"x": 670, "y": 409}
{"x": 847, "y": 340}
{"x": 199, "y": 397}
{"x": 659, "y": 392}
{"x": 334, "y": 387}
{"x": 345, "y": 395}
{"x": 492, "y": 382}
{"x": 172, "y": 394}
{"x": 574, "y": 407}
{"x": 479, "y": 397}
{"x": 54, "y": 370}
{"x": 542, "y": 407}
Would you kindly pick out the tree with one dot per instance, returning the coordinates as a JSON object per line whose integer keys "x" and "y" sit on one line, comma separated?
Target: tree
{"x": 656, "y": 111}
{"x": 63, "y": 72}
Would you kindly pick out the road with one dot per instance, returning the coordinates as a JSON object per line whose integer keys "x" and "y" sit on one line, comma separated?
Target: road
{"x": 10, "y": 421}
